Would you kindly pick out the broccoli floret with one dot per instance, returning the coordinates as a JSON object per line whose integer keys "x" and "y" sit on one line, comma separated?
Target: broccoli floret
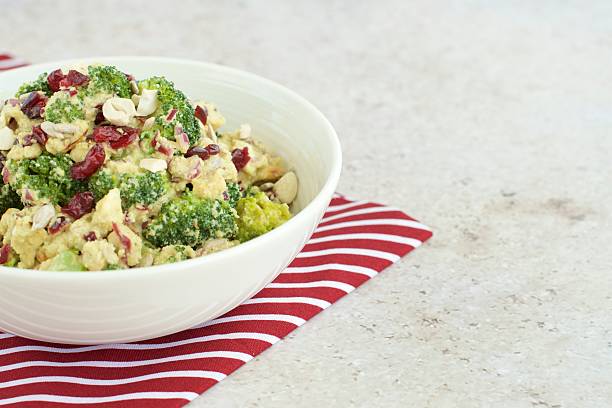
{"x": 61, "y": 109}
{"x": 108, "y": 79}
{"x": 47, "y": 176}
{"x": 190, "y": 221}
{"x": 258, "y": 215}
{"x": 233, "y": 193}
{"x": 9, "y": 199}
{"x": 39, "y": 84}
{"x": 101, "y": 183}
{"x": 171, "y": 98}
{"x": 145, "y": 188}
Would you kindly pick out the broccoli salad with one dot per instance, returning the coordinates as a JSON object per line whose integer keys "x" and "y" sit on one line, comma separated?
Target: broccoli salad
{"x": 102, "y": 171}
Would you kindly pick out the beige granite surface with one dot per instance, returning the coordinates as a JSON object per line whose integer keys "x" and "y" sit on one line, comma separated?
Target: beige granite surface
{"x": 490, "y": 121}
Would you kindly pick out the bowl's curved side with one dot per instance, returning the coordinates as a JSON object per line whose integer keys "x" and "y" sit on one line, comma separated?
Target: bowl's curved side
{"x": 107, "y": 311}
{"x": 142, "y": 303}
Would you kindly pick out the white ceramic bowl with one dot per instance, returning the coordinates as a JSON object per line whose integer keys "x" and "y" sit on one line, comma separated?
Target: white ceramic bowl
{"x": 143, "y": 303}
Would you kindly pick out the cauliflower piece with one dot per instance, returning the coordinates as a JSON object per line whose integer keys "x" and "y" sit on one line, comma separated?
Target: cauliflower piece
{"x": 216, "y": 245}
{"x": 185, "y": 168}
{"x": 7, "y": 222}
{"x": 127, "y": 244}
{"x": 108, "y": 210}
{"x": 210, "y": 185}
{"x": 79, "y": 151}
{"x": 18, "y": 152}
{"x": 60, "y": 144}
{"x": 97, "y": 255}
{"x": 25, "y": 241}
{"x": 173, "y": 253}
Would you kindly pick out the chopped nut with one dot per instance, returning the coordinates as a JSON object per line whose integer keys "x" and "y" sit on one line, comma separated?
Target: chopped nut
{"x": 7, "y": 138}
{"x": 153, "y": 165}
{"x": 286, "y": 188}
{"x": 42, "y": 217}
{"x": 266, "y": 186}
{"x": 118, "y": 111}
{"x": 147, "y": 103}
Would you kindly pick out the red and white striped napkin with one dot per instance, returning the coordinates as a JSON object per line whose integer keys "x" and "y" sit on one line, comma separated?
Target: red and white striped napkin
{"x": 353, "y": 243}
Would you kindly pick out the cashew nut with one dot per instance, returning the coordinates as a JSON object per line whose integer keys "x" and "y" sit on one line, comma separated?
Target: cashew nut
{"x": 148, "y": 124}
{"x": 59, "y": 130}
{"x": 153, "y": 165}
{"x": 118, "y": 111}
{"x": 134, "y": 86}
{"x": 285, "y": 188}
{"x": 7, "y": 138}
{"x": 245, "y": 131}
{"x": 43, "y": 216}
{"x": 147, "y": 103}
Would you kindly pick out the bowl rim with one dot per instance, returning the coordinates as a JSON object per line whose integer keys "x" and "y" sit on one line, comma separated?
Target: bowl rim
{"x": 324, "y": 194}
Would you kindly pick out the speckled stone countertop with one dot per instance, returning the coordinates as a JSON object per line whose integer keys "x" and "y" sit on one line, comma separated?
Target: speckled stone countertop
{"x": 489, "y": 121}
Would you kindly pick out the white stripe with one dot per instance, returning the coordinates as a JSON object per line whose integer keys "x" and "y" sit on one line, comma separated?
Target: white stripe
{"x": 97, "y": 400}
{"x": 340, "y": 207}
{"x": 241, "y": 318}
{"x": 369, "y": 210}
{"x": 362, "y": 270}
{"x": 213, "y": 375}
{"x": 12, "y": 62}
{"x": 134, "y": 346}
{"x": 6, "y": 336}
{"x": 316, "y": 284}
{"x": 350, "y": 251}
{"x": 380, "y": 221}
{"x": 138, "y": 363}
{"x": 378, "y": 237}
{"x": 306, "y": 300}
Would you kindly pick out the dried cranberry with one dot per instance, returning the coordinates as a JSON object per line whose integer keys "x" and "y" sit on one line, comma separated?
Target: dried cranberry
{"x": 103, "y": 134}
{"x": 59, "y": 224}
{"x": 33, "y": 105}
{"x": 203, "y": 152}
{"x": 99, "y": 117}
{"x": 79, "y": 205}
{"x": 5, "y": 252}
{"x": 75, "y": 78}
{"x": 128, "y": 137}
{"x": 125, "y": 241}
{"x": 213, "y": 149}
{"x": 199, "y": 151}
{"x": 54, "y": 78}
{"x": 117, "y": 137}
{"x": 90, "y": 236}
{"x": 39, "y": 135}
{"x": 93, "y": 161}
{"x": 226, "y": 196}
{"x": 240, "y": 157}
{"x": 201, "y": 114}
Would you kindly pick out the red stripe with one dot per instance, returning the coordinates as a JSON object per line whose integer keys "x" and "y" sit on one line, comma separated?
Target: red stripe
{"x": 351, "y": 278}
{"x": 221, "y": 365}
{"x": 172, "y": 384}
{"x": 402, "y": 231}
{"x": 385, "y": 246}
